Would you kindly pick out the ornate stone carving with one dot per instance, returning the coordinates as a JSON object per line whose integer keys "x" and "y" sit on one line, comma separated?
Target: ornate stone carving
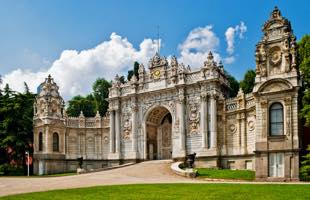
{"x": 210, "y": 61}
{"x": 157, "y": 61}
{"x": 127, "y": 127}
{"x": 194, "y": 119}
{"x": 177, "y": 125}
{"x": 261, "y": 57}
{"x": 232, "y": 128}
{"x": 251, "y": 125}
{"x": 106, "y": 139}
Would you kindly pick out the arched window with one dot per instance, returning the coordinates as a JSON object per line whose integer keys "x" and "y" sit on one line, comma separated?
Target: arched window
{"x": 40, "y": 141}
{"x": 276, "y": 119}
{"x": 55, "y": 142}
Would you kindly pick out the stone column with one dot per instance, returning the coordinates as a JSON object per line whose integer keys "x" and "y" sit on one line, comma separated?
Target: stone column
{"x": 117, "y": 131}
{"x": 213, "y": 112}
{"x": 47, "y": 140}
{"x": 134, "y": 110}
{"x": 204, "y": 120}
{"x": 182, "y": 122}
{"x": 112, "y": 131}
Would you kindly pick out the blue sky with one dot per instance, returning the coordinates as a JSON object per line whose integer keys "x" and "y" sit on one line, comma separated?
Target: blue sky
{"x": 35, "y": 34}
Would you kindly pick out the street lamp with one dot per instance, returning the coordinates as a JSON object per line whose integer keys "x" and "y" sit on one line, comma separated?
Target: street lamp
{"x": 27, "y": 154}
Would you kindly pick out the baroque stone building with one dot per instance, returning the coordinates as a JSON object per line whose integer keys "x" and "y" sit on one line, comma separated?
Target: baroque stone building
{"x": 169, "y": 111}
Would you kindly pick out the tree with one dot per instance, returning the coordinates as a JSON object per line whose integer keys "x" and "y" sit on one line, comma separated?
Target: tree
{"x": 303, "y": 59}
{"x": 16, "y": 125}
{"x": 247, "y": 84}
{"x": 85, "y": 104}
{"x": 129, "y": 74}
{"x": 234, "y": 85}
{"x": 135, "y": 71}
{"x": 101, "y": 93}
{"x": 305, "y": 167}
{"x": 122, "y": 79}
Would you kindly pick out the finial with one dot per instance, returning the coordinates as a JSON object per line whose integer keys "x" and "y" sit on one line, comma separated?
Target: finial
{"x": 97, "y": 114}
{"x": 220, "y": 64}
{"x": 81, "y": 114}
{"x": 210, "y": 56}
{"x": 49, "y": 78}
{"x": 275, "y": 13}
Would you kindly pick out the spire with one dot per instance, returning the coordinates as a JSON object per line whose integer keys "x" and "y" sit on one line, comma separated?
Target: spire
{"x": 210, "y": 56}
{"x": 275, "y": 13}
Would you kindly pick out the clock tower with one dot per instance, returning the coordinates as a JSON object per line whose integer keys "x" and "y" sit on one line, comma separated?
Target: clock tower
{"x": 158, "y": 66}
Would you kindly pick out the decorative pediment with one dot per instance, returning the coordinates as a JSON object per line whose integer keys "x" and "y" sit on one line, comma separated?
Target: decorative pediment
{"x": 275, "y": 85}
{"x": 276, "y": 21}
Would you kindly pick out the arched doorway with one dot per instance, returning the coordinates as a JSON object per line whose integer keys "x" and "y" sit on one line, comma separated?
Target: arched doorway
{"x": 158, "y": 134}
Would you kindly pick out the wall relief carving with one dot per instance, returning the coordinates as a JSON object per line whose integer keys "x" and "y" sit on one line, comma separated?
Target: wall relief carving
{"x": 232, "y": 128}
{"x": 127, "y": 127}
{"x": 194, "y": 120}
{"x": 251, "y": 125}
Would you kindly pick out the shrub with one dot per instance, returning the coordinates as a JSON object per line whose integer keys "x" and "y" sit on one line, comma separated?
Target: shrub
{"x": 11, "y": 170}
{"x": 304, "y": 173}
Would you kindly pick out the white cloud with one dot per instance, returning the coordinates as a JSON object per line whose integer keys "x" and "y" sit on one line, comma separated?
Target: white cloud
{"x": 194, "y": 50}
{"x": 75, "y": 71}
{"x": 230, "y": 35}
{"x": 229, "y": 60}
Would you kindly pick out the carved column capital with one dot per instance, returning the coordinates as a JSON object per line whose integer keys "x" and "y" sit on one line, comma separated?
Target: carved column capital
{"x": 287, "y": 101}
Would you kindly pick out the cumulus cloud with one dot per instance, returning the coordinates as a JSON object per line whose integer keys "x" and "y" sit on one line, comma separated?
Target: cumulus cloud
{"x": 196, "y": 46}
{"x": 231, "y": 33}
{"x": 75, "y": 71}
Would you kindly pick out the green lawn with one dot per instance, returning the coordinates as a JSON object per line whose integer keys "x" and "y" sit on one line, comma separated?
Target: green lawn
{"x": 176, "y": 191}
{"x": 226, "y": 174}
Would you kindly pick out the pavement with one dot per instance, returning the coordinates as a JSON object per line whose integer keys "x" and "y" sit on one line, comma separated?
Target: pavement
{"x": 148, "y": 172}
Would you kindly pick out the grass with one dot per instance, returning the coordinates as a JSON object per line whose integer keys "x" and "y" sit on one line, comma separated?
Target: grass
{"x": 175, "y": 191}
{"x": 226, "y": 174}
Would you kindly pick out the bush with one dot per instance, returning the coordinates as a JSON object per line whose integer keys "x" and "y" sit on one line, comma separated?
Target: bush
{"x": 11, "y": 170}
{"x": 304, "y": 173}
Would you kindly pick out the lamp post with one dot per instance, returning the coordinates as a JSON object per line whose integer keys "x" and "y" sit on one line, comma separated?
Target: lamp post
{"x": 27, "y": 154}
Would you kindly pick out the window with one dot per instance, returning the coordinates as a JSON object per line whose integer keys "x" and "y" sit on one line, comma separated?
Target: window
{"x": 231, "y": 164}
{"x": 276, "y": 165}
{"x": 276, "y": 119}
{"x": 248, "y": 165}
{"x": 40, "y": 141}
{"x": 55, "y": 142}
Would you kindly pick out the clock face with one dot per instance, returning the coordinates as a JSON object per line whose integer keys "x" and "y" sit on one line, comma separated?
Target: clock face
{"x": 156, "y": 74}
{"x": 275, "y": 57}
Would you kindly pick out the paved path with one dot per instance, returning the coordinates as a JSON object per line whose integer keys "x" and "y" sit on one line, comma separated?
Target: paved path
{"x": 145, "y": 172}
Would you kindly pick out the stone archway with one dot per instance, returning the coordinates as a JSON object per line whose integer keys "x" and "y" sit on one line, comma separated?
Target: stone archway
{"x": 158, "y": 125}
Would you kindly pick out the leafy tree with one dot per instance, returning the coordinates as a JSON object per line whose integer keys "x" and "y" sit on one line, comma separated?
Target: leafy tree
{"x": 79, "y": 103}
{"x": 135, "y": 71}
{"x": 303, "y": 60}
{"x": 129, "y": 74}
{"x": 234, "y": 85}
{"x": 16, "y": 125}
{"x": 305, "y": 167}
{"x": 247, "y": 84}
{"x": 122, "y": 79}
{"x": 101, "y": 93}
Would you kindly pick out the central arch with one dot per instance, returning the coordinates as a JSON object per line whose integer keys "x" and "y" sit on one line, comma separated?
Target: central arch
{"x": 158, "y": 127}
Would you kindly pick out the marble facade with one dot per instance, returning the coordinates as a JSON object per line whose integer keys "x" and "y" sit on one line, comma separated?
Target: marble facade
{"x": 169, "y": 111}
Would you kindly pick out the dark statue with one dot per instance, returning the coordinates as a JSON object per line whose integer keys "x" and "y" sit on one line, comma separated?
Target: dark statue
{"x": 189, "y": 161}
{"x": 80, "y": 160}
